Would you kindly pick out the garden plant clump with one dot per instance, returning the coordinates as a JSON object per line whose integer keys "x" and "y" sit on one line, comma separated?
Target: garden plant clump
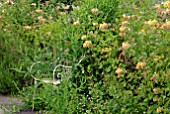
{"x": 86, "y": 56}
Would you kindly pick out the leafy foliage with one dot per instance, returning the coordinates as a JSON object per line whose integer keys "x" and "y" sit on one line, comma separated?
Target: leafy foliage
{"x": 111, "y": 56}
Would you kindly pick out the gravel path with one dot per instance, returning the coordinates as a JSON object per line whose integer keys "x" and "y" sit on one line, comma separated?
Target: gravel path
{"x": 7, "y": 102}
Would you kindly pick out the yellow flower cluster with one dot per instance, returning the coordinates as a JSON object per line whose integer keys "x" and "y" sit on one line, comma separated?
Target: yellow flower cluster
{"x": 87, "y": 44}
{"x": 103, "y": 26}
{"x": 83, "y": 37}
{"x": 123, "y": 29}
{"x": 125, "y": 17}
{"x": 140, "y": 65}
{"x": 167, "y": 4}
{"x": 159, "y": 109}
{"x": 125, "y": 45}
{"x": 106, "y": 50}
{"x": 152, "y": 22}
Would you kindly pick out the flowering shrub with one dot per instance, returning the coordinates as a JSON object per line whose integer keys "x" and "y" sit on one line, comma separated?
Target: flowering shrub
{"x": 114, "y": 54}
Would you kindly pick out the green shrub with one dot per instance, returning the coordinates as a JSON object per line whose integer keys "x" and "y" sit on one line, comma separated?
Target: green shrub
{"x": 10, "y": 59}
{"x": 111, "y": 56}
{"x": 113, "y": 70}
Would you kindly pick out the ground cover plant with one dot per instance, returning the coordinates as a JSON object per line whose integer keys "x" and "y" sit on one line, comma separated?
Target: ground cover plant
{"x": 87, "y": 56}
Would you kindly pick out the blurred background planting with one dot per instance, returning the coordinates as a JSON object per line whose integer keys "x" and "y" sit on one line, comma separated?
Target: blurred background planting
{"x": 86, "y": 56}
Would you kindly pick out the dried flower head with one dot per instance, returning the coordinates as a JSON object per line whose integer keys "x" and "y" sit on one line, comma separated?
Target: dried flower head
{"x": 95, "y": 24}
{"x": 94, "y": 10}
{"x": 66, "y": 7}
{"x": 124, "y": 23}
{"x": 155, "y": 90}
{"x": 41, "y": 19}
{"x": 9, "y": 2}
{"x": 122, "y": 34}
{"x": 154, "y": 77}
{"x": 119, "y": 71}
{"x": 103, "y": 26}
{"x": 140, "y": 65}
{"x": 75, "y": 7}
{"x": 106, "y": 50}
{"x": 87, "y": 44}
{"x": 26, "y": 27}
{"x": 156, "y": 99}
{"x": 77, "y": 23}
{"x": 62, "y": 13}
{"x": 91, "y": 32}
{"x": 122, "y": 29}
{"x": 125, "y": 45}
{"x": 125, "y": 17}
{"x": 39, "y": 11}
{"x": 83, "y": 37}
{"x": 159, "y": 109}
